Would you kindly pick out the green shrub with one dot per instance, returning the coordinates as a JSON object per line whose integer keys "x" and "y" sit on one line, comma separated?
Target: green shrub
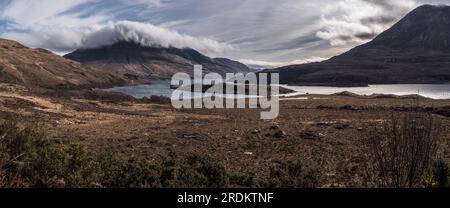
{"x": 440, "y": 173}
{"x": 29, "y": 159}
{"x": 244, "y": 180}
{"x": 132, "y": 173}
{"x": 40, "y": 162}
{"x": 193, "y": 170}
{"x": 291, "y": 175}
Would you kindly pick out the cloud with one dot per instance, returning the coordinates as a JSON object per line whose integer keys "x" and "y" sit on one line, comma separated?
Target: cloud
{"x": 146, "y": 34}
{"x": 31, "y": 13}
{"x": 63, "y": 26}
{"x": 357, "y": 21}
{"x": 270, "y": 65}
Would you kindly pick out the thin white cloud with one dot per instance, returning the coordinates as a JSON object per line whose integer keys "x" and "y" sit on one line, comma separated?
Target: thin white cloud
{"x": 30, "y": 13}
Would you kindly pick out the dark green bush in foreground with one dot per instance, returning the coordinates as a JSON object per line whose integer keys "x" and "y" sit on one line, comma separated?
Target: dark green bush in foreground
{"x": 29, "y": 159}
{"x": 440, "y": 174}
{"x": 292, "y": 175}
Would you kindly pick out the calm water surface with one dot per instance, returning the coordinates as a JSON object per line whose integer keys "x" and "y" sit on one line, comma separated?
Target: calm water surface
{"x": 162, "y": 88}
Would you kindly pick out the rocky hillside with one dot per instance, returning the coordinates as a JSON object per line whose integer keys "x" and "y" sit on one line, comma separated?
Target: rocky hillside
{"x": 41, "y": 68}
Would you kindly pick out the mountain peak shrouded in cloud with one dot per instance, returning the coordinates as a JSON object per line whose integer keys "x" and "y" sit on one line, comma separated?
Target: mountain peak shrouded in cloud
{"x": 146, "y": 34}
{"x": 66, "y": 25}
{"x": 140, "y": 63}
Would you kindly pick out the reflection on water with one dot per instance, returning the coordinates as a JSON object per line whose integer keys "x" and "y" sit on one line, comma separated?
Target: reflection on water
{"x": 162, "y": 88}
{"x": 157, "y": 88}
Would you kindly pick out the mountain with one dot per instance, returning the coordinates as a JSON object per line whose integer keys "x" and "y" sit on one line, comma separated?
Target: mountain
{"x": 141, "y": 64}
{"x": 41, "y": 68}
{"x": 416, "y": 50}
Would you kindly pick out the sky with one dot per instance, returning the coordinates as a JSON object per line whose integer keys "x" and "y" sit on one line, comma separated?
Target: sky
{"x": 257, "y": 32}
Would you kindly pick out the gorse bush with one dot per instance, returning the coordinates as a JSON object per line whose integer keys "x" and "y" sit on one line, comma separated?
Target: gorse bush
{"x": 131, "y": 173}
{"x": 175, "y": 171}
{"x": 440, "y": 174}
{"x": 291, "y": 175}
{"x": 29, "y": 159}
{"x": 193, "y": 171}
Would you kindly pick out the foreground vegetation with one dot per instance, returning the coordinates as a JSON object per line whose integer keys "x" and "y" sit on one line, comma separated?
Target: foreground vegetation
{"x": 29, "y": 159}
{"x": 404, "y": 153}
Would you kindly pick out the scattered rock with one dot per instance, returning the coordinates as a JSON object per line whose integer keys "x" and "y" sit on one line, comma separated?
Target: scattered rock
{"x": 189, "y": 136}
{"x": 323, "y": 124}
{"x": 348, "y": 107}
{"x": 309, "y": 135}
{"x": 280, "y": 134}
{"x": 326, "y": 123}
{"x": 360, "y": 129}
{"x": 256, "y": 131}
{"x": 275, "y": 127}
{"x": 342, "y": 126}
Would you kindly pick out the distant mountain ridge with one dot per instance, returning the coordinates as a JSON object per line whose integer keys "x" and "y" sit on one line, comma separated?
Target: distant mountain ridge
{"x": 39, "y": 68}
{"x": 142, "y": 64}
{"x": 416, "y": 50}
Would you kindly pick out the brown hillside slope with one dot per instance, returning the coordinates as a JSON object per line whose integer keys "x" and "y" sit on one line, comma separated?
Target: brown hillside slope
{"x": 41, "y": 68}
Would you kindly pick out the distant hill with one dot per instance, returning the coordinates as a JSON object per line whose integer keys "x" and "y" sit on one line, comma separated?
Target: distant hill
{"x": 416, "y": 50}
{"x": 142, "y": 64}
{"x": 41, "y": 68}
